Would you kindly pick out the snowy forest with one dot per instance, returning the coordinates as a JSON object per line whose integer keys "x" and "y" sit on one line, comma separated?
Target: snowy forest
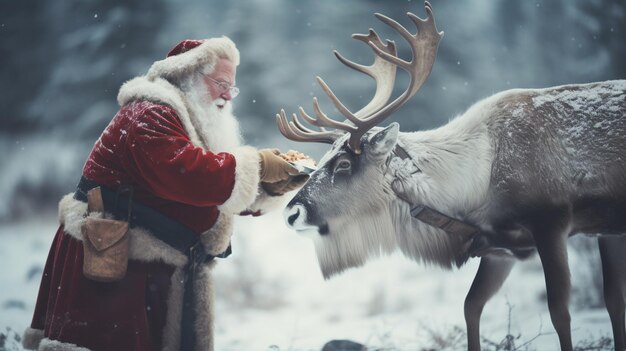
{"x": 64, "y": 61}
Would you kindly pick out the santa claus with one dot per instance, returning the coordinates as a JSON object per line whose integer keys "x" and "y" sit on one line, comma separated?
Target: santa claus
{"x": 177, "y": 145}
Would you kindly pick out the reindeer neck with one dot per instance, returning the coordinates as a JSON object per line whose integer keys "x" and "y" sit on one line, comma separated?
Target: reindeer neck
{"x": 426, "y": 243}
{"x": 455, "y": 165}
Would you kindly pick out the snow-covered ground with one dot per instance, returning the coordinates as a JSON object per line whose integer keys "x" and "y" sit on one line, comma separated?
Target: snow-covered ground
{"x": 271, "y": 296}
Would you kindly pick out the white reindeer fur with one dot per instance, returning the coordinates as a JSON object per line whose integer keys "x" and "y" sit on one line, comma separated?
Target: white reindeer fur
{"x": 357, "y": 241}
{"x": 455, "y": 163}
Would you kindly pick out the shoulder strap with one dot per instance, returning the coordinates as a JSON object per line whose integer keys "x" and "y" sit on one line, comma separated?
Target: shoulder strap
{"x": 433, "y": 217}
{"x": 446, "y": 223}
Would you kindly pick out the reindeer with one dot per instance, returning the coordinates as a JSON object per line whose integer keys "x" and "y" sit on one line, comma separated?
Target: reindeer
{"x": 517, "y": 173}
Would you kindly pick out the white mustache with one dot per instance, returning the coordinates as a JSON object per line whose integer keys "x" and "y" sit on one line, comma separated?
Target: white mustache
{"x": 220, "y": 102}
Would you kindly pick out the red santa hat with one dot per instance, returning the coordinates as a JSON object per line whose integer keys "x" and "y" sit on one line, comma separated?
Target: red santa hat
{"x": 184, "y": 46}
{"x": 191, "y": 55}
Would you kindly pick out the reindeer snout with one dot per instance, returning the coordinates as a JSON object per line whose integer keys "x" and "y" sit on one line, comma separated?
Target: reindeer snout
{"x": 295, "y": 216}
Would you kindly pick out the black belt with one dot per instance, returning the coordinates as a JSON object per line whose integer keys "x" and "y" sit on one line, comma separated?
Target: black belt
{"x": 175, "y": 234}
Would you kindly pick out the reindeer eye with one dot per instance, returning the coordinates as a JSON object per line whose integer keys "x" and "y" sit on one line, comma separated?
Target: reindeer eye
{"x": 343, "y": 165}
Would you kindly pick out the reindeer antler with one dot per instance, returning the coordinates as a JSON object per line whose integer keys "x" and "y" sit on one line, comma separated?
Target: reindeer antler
{"x": 424, "y": 46}
{"x": 383, "y": 73}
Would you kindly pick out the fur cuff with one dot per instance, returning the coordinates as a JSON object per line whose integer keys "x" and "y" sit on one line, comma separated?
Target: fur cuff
{"x": 266, "y": 203}
{"x": 54, "y": 345}
{"x": 247, "y": 179}
{"x": 32, "y": 338}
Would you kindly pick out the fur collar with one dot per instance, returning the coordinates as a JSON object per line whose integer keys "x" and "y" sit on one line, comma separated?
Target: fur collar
{"x": 159, "y": 90}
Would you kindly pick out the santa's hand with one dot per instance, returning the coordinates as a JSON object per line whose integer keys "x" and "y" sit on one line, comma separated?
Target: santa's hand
{"x": 284, "y": 186}
{"x": 273, "y": 167}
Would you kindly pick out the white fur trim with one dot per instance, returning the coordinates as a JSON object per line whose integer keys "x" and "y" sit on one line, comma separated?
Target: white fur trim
{"x": 217, "y": 239}
{"x": 54, "y": 345}
{"x": 145, "y": 247}
{"x": 206, "y": 54}
{"x": 204, "y": 326}
{"x": 32, "y": 338}
{"x": 267, "y": 203}
{"x": 159, "y": 90}
{"x": 204, "y": 306}
{"x": 204, "y": 310}
{"x": 171, "y": 331}
{"x": 72, "y": 215}
{"x": 142, "y": 245}
{"x": 247, "y": 179}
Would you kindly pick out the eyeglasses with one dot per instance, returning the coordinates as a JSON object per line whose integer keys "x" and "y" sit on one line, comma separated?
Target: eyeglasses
{"x": 224, "y": 87}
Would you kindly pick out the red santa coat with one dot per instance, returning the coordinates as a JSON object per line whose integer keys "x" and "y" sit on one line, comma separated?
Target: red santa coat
{"x": 152, "y": 145}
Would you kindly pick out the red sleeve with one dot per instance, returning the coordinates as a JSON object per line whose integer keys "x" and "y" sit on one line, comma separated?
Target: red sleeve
{"x": 163, "y": 158}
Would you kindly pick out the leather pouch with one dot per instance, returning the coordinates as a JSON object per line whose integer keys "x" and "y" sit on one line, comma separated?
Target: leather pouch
{"x": 105, "y": 243}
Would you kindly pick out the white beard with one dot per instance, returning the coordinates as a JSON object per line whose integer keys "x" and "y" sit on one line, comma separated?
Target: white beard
{"x": 217, "y": 127}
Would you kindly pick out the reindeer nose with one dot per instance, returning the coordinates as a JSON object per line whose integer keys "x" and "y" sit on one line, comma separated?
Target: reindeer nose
{"x": 293, "y": 213}
{"x": 292, "y": 217}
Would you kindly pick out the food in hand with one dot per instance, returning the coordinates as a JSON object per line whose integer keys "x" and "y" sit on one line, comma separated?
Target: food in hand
{"x": 298, "y": 157}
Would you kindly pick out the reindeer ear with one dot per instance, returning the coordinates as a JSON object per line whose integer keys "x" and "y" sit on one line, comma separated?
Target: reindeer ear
{"x": 384, "y": 140}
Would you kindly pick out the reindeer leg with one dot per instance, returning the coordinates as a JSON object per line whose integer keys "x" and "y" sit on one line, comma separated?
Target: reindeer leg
{"x": 613, "y": 271}
{"x": 551, "y": 244}
{"x": 491, "y": 273}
